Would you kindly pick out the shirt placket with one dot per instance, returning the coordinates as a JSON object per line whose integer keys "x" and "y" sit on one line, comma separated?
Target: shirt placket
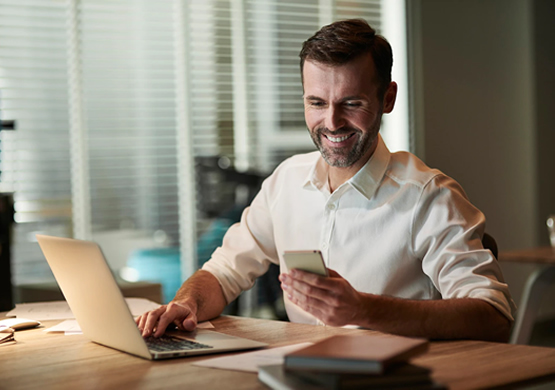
{"x": 330, "y": 210}
{"x": 329, "y": 221}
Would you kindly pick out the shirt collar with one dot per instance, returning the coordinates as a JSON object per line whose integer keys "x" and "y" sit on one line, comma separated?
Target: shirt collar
{"x": 365, "y": 181}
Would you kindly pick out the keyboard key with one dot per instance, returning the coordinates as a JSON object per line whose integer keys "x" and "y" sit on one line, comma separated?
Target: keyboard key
{"x": 169, "y": 343}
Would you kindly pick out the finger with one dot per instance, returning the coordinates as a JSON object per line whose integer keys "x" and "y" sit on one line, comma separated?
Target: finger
{"x": 310, "y": 278}
{"x": 190, "y": 323}
{"x": 299, "y": 277}
{"x": 163, "y": 322}
{"x": 334, "y": 285}
{"x": 141, "y": 321}
{"x": 307, "y": 289}
{"x": 319, "y": 311}
{"x": 299, "y": 292}
{"x": 309, "y": 304}
{"x": 333, "y": 274}
{"x": 152, "y": 320}
{"x": 174, "y": 312}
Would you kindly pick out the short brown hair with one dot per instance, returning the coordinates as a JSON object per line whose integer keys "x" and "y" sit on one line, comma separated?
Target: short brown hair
{"x": 343, "y": 41}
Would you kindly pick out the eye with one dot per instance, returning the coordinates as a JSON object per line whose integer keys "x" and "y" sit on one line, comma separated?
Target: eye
{"x": 315, "y": 103}
{"x": 352, "y": 104}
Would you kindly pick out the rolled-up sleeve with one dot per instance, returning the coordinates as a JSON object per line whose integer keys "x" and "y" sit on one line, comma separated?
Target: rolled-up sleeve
{"x": 447, "y": 235}
{"x": 247, "y": 250}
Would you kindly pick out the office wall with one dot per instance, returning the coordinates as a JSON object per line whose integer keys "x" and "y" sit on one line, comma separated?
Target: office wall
{"x": 484, "y": 94}
{"x": 544, "y": 84}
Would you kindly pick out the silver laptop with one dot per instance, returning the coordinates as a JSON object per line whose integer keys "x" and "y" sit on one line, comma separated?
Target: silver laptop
{"x": 103, "y": 315}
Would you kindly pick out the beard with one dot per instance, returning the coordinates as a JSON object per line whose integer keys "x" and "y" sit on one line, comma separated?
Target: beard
{"x": 343, "y": 157}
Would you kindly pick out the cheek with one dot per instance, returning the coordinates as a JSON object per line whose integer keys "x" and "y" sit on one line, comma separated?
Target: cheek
{"x": 311, "y": 118}
{"x": 364, "y": 120}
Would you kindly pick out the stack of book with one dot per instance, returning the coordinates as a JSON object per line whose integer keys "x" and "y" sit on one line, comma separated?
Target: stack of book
{"x": 352, "y": 362}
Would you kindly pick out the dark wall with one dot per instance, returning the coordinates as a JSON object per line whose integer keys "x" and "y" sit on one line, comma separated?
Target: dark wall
{"x": 544, "y": 106}
{"x": 484, "y": 74}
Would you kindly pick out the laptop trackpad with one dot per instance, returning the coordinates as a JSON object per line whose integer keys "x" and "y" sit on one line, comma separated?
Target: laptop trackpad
{"x": 203, "y": 336}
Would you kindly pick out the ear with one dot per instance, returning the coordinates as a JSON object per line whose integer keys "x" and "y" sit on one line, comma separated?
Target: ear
{"x": 389, "y": 97}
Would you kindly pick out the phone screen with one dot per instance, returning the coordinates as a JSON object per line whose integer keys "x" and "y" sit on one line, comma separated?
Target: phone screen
{"x": 310, "y": 261}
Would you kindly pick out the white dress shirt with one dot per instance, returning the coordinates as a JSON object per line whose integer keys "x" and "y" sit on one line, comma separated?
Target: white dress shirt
{"x": 396, "y": 228}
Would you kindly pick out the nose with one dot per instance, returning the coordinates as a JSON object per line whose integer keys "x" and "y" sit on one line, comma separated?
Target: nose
{"x": 334, "y": 118}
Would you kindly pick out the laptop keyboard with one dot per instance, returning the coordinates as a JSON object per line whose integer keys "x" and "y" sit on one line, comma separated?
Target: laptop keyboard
{"x": 168, "y": 343}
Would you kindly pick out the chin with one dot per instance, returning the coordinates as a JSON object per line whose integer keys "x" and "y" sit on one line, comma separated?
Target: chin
{"x": 338, "y": 161}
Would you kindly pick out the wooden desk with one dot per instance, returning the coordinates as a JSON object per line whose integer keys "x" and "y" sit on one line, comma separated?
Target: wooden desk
{"x": 49, "y": 361}
{"x": 535, "y": 287}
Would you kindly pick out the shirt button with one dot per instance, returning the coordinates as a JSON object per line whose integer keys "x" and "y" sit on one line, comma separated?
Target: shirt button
{"x": 331, "y": 206}
{"x": 324, "y": 246}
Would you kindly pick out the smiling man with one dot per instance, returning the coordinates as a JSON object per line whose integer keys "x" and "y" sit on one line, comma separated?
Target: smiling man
{"x": 343, "y": 112}
{"x": 401, "y": 241}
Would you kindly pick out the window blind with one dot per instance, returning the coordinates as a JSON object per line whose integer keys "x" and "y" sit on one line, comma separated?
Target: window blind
{"x": 35, "y": 158}
{"x": 120, "y": 104}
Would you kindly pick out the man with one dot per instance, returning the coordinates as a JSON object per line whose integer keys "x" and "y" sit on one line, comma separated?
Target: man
{"x": 402, "y": 242}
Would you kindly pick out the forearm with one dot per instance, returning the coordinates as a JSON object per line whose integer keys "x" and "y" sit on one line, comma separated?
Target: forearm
{"x": 464, "y": 318}
{"x": 203, "y": 291}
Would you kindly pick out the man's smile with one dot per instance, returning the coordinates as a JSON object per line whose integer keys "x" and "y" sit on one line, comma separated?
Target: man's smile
{"x": 338, "y": 139}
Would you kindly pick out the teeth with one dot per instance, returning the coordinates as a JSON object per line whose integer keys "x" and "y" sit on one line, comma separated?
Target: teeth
{"x": 338, "y": 139}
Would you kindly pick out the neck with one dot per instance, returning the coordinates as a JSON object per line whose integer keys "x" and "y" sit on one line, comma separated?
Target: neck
{"x": 339, "y": 175}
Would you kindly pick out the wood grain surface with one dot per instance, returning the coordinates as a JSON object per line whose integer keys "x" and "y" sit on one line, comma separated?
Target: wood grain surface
{"x": 40, "y": 360}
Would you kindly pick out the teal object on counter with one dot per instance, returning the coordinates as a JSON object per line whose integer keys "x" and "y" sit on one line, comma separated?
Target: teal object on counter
{"x": 160, "y": 265}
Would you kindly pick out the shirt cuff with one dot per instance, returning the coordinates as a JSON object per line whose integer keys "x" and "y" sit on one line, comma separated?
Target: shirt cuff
{"x": 498, "y": 300}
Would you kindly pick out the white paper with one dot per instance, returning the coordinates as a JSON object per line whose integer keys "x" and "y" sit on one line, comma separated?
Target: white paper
{"x": 250, "y": 361}
{"x": 138, "y": 306}
{"x": 42, "y": 311}
{"x": 67, "y": 327}
{"x": 205, "y": 325}
{"x": 59, "y": 310}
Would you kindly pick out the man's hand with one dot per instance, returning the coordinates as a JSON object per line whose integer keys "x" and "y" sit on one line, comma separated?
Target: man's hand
{"x": 331, "y": 299}
{"x": 200, "y": 298}
{"x": 182, "y": 314}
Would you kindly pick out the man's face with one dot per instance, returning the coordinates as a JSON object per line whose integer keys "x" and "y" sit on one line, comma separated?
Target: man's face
{"x": 342, "y": 110}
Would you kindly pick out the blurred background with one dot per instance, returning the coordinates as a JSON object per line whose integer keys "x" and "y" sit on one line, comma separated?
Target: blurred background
{"x": 149, "y": 126}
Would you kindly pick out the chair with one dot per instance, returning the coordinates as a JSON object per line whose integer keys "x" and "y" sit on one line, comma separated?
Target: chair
{"x": 6, "y": 222}
{"x": 489, "y": 243}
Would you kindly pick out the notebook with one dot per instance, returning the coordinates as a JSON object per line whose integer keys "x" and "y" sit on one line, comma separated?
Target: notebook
{"x": 363, "y": 354}
{"x": 103, "y": 315}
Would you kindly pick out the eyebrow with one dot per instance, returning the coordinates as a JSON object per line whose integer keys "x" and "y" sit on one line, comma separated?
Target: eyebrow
{"x": 312, "y": 97}
{"x": 346, "y": 98}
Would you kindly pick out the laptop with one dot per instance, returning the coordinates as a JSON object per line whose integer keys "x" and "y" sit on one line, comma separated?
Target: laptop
{"x": 103, "y": 315}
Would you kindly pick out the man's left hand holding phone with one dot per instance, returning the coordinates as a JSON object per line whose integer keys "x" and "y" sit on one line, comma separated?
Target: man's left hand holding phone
{"x": 318, "y": 290}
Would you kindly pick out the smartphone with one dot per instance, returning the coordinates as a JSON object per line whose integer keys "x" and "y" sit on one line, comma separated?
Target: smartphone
{"x": 310, "y": 261}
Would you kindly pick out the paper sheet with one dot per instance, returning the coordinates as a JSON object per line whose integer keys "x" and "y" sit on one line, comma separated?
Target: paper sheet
{"x": 42, "y": 311}
{"x": 67, "y": 327}
{"x": 249, "y": 361}
{"x": 59, "y": 310}
{"x": 205, "y": 325}
{"x": 138, "y": 306}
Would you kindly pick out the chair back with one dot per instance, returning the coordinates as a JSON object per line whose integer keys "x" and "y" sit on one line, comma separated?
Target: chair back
{"x": 489, "y": 243}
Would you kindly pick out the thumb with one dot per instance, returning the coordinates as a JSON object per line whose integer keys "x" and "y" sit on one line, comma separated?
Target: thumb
{"x": 190, "y": 323}
{"x": 334, "y": 274}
